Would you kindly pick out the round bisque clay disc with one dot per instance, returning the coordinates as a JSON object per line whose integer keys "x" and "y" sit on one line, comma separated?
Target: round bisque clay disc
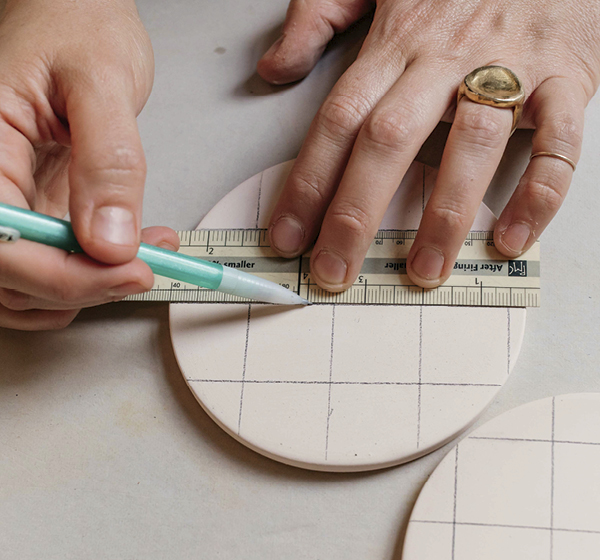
{"x": 342, "y": 387}
{"x": 524, "y": 486}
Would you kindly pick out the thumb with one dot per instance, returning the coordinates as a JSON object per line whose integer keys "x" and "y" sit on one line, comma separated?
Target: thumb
{"x": 309, "y": 26}
{"x": 106, "y": 174}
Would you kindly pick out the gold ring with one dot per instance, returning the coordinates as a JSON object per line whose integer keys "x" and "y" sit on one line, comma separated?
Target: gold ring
{"x": 495, "y": 86}
{"x": 557, "y": 156}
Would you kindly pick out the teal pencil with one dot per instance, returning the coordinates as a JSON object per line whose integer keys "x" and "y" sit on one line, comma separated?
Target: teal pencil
{"x": 59, "y": 233}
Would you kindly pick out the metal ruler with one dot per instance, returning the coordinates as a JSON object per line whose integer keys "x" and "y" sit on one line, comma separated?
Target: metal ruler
{"x": 482, "y": 276}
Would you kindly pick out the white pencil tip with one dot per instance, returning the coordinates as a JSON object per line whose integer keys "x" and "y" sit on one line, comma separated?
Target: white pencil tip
{"x": 295, "y": 299}
{"x": 253, "y": 287}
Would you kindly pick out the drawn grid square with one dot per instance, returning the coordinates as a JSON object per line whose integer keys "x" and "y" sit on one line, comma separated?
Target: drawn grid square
{"x": 454, "y": 346}
{"x": 366, "y": 358}
{"x": 490, "y": 491}
{"x": 275, "y": 332}
{"x": 583, "y": 419}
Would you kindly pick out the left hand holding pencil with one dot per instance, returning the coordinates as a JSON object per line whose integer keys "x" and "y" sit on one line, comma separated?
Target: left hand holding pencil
{"x": 73, "y": 78}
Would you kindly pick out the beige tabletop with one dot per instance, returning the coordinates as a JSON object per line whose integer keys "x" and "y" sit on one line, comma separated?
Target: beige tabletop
{"x": 105, "y": 454}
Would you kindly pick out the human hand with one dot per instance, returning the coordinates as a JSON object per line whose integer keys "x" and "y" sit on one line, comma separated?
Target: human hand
{"x": 73, "y": 78}
{"x": 405, "y": 79}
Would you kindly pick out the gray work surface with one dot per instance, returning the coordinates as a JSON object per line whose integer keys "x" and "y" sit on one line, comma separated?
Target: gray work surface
{"x": 105, "y": 454}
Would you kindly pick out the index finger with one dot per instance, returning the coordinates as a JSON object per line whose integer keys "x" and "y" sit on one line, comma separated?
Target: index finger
{"x": 72, "y": 279}
{"x": 318, "y": 170}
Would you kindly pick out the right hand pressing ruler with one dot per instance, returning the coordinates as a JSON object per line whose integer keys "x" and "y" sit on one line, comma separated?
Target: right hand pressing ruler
{"x": 482, "y": 277}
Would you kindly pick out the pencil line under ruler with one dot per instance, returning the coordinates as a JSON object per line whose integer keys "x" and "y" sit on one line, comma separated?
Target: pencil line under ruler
{"x": 482, "y": 277}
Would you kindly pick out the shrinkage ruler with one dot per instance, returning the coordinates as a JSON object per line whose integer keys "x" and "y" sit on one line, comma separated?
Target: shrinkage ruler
{"x": 482, "y": 277}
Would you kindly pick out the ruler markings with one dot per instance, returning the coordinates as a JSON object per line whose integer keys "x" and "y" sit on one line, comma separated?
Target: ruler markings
{"x": 382, "y": 281}
{"x": 299, "y": 274}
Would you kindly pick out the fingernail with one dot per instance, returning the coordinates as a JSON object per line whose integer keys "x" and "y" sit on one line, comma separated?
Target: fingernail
{"x": 287, "y": 235}
{"x": 516, "y": 236}
{"x": 428, "y": 263}
{"x": 114, "y": 225}
{"x": 330, "y": 268}
{"x": 166, "y": 245}
{"x": 128, "y": 289}
{"x": 275, "y": 46}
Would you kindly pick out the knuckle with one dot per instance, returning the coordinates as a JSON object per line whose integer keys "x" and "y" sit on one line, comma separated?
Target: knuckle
{"x": 391, "y": 129}
{"x": 475, "y": 30}
{"x": 323, "y": 25}
{"x": 351, "y": 219}
{"x": 400, "y": 29}
{"x": 310, "y": 187}
{"x": 545, "y": 194}
{"x": 450, "y": 218}
{"x": 123, "y": 164}
{"x": 343, "y": 114}
{"x": 481, "y": 125}
{"x": 564, "y": 131}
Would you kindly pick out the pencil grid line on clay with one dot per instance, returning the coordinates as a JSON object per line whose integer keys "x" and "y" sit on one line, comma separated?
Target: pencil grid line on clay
{"x": 552, "y": 480}
{"x": 455, "y": 500}
{"x": 551, "y": 528}
{"x": 420, "y": 331}
{"x": 506, "y": 526}
{"x": 533, "y": 440}
{"x": 329, "y": 411}
{"x": 258, "y": 199}
{"x": 308, "y": 382}
{"x": 249, "y": 315}
{"x": 243, "y": 380}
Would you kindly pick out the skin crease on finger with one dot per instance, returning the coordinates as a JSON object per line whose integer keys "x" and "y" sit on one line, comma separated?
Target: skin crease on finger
{"x": 552, "y": 46}
{"x": 57, "y": 54}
